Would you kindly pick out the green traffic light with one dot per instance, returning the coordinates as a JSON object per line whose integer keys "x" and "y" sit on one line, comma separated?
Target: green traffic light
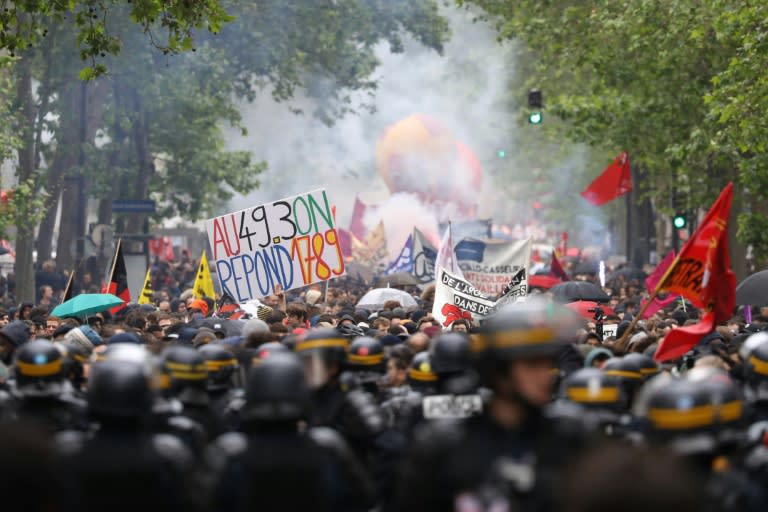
{"x": 502, "y": 153}
{"x": 679, "y": 221}
{"x": 535, "y": 117}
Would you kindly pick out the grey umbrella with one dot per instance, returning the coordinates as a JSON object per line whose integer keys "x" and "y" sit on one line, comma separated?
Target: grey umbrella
{"x": 753, "y": 290}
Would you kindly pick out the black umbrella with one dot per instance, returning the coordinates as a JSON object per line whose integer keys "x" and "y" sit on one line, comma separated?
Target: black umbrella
{"x": 753, "y": 290}
{"x": 230, "y": 327}
{"x": 586, "y": 267}
{"x": 578, "y": 290}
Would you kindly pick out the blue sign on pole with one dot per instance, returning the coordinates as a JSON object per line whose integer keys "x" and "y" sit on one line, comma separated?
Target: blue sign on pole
{"x": 133, "y": 206}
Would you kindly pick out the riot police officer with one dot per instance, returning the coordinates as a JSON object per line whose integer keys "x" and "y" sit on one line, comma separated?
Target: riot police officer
{"x": 187, "y": 376}
{"x": 165, "y": 410}
{"x": 222, "y": 368}
{"x": 272, "y": 465}
{"x": 43, "y": 395}
{"x": 601, "y": 402}
{"x": 700, "y": 418}
{"x": 366, "y": 364}
{"x": 755, "y": 378}
{"x": 353, "y": 413}
{"x": 507, "y": 456}
{"x": 123, "y": 465}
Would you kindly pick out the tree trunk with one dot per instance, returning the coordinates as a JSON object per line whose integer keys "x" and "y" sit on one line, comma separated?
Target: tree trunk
{"x": 24, "y": 265}
{"x": 64, "y": 160}
{"x": 140, "y": 135}
{"x": 72, "y": 179}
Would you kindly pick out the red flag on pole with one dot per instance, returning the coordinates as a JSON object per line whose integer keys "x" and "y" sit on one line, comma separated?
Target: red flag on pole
{"x": 702, "y": 274}
{"x": 356, "y": 225}
{"x": 556, "y": 269}
{"x": 614, "y": 181}
{"x": 118, "y": 278}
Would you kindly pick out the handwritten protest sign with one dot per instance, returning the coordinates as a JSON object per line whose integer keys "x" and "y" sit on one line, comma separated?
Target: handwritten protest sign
{"x": 291, "y": 243}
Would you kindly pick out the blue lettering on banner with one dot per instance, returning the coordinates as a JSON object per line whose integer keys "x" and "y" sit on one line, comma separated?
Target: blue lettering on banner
{"x": 261, "y": 270}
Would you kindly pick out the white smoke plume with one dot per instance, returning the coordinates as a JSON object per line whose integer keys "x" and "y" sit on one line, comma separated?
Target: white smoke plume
{"x": 466, "y": 90}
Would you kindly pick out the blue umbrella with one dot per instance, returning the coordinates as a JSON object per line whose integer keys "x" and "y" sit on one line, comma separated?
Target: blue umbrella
{"x": 86, "y": 304}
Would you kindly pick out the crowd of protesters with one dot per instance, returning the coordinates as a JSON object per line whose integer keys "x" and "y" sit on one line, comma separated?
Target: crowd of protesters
{"x": 314, "y": 403}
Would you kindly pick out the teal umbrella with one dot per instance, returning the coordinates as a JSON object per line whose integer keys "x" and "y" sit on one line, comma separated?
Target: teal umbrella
{"x": 86, "y": 304}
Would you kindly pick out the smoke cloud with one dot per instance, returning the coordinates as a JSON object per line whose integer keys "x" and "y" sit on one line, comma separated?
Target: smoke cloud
{"x": 466, "y": 90}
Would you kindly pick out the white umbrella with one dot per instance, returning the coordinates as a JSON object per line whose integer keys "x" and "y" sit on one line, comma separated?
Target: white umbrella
{"x": 378, "y": 296}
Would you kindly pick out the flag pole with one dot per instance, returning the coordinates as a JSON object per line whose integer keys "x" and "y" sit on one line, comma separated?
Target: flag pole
{"x": 619, "y": 345}
{"x": 114, "y": 263}
{"x": 68, "y": 288}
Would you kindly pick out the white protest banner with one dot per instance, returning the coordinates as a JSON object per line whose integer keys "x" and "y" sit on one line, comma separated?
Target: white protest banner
{"x": 456, "y": 298}
{"x": 291, "y": 242}
{"x": 491, "y": 265}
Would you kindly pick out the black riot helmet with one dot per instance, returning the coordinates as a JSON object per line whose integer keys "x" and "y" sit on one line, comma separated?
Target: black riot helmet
{"x": 330, "y": 344}
{"x": 118, "y": 390}
{"x": 187, "y": 375}
{"x": 648, "y": 367}
{"x": 628, "y": 373}
{"x": 324, "y": 353}
{"x": 593, "y": 389}
{"x": 755, "y": 371}
{"x": 450, "y": 357}
{"x": 366, "y": 355}
{"x": 420, "y": 377}
{"x": 220, "y": 364}
{"x": 39, "y": 369}
{"x": 450, "y": 353}
{"x": 277, "y": 390}
{"x": 526, "y": 329}
{"x": 686, "y": 415}
{"x": 265, "y": 350}
{"x": 723, "y": 393}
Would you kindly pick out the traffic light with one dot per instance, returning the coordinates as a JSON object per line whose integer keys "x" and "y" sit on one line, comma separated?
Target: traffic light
{"x": 535, "y": 104}
{"x": 679, "y": 220}
{"x": 502, "y": 153}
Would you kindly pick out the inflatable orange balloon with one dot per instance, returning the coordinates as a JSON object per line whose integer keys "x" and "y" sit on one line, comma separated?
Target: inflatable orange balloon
{"x": 418, "y": 155}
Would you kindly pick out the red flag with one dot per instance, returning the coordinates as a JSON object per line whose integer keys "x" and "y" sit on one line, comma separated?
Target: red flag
{"x": 345, "y": 242}
{"x": 614, "y": 181}
{"x": 356, "y": 225}
{"x": 118, "y": 278}
{"x": 702, "y": 274}
{"x": 556, "y": 270}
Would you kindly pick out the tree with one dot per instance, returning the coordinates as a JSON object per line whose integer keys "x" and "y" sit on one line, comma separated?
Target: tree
{"x": 659, "y": 80}
{"x": 150, "y": 120}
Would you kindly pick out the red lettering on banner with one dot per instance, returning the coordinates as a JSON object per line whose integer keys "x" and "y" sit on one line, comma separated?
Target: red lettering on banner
{"x": 219, "y": 239}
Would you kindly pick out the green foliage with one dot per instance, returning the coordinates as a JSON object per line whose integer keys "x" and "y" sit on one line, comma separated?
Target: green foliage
{"x": 25, "y": 205}
{"x": 25, "y": 24}
{"x": 681, "y": 85}
{"x": 324, "y": 48}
